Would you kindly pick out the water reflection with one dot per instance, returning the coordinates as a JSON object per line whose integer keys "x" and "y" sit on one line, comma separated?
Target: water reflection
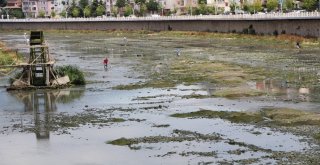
{"x": 286, "y": 92}
{"x": 43, "y": 103}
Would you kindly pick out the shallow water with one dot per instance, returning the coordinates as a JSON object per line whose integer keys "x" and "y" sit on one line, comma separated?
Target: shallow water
{"x": 86, "y": 144}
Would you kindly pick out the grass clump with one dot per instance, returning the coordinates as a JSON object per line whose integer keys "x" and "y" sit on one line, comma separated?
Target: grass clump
{"x": 276, "y": 116}
{"x": 120, "y": 142}
{"x": 238, "y": 92}
{"x": 236, "y": 117}
{"x": 75, "y": 74}
{"x": 7, "y": 57}
{"x": 177, "y": 136}
{"x": 291, "y": 117}
{"x": 317, "y": 136}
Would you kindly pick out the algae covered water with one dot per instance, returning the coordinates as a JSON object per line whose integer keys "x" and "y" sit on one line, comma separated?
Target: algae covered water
{"x": 167, "y": 98}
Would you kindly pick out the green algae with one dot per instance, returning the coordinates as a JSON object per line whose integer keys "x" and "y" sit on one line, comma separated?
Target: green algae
{"x": 317, "y": 136}
{"x": 237, "y": 117}
{"x": 276, "y": 116}
{"x": 238, "y": 92}
{"x": 178, "y": 136}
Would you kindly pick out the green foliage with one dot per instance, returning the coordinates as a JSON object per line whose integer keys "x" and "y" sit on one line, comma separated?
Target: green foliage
{"x": 87, "y": 11}
{"x": 257, "y": 6}
{"x": 53, "y": 14}
{"x": 3, "y": 3}
{"x": 121, "y": 3}
{"x": 41, "y": 14}
{"x": 236, "y": 117}
{"x": 76, "y": 76}
{"x": 73, "y": 4}
{"x": 100, "y": 10}
{"x": 233, "y": 6}
{"x": 272, "y": 5}
{"x": 309, "y": 5}
{"x": 94, "y": 7}
{"x": 317, "y": 136}
{"x": 114, "y": 11}
{"x": 101, "y": 3}
{"x": 152, "y": 5}
{"x": 5, "y": 59}
{"x": 75, "y": 12}
{"x": 120, "y": 142}
{"x": 288, "y": 5}
{"x": 83, "y": 3}
{"x": 17, "y": 13}
{"x": 143, "y": 9}
{"x": 128, "y": 10}
{"x": 202, "y": 1}
{"x": 253, "y": 7}
{"x": 204, "y": 9}
{"x": 140, "y": 1}
{"x": 63, "y": 13}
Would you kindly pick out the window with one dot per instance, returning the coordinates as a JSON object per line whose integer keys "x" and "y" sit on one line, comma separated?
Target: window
{"x": 34, "y": 8}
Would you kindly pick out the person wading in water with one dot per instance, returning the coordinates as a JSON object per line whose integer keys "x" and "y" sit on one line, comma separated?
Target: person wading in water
{"x": 105, "y": 63}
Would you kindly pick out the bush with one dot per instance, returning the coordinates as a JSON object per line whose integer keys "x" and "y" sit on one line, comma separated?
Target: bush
{"x": 76, "y": 76}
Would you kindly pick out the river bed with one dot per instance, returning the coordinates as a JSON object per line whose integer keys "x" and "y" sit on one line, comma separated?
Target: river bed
{"x": 146, "y": 111}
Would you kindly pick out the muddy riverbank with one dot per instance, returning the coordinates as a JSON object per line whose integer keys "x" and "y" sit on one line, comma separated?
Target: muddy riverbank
{"x": 168, "y": 98}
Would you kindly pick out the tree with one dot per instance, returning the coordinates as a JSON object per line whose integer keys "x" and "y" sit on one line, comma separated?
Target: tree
{"x": 256, "y": 6}
{"x": 101, "y": 3}
{"x": 100, "y": 10}
{"x": 272, "y": 5}
{"x": 128, "y": 11}
{"x": 152, "y": 6}
{"x": 288, "y": 4}
{"x": 63, "y": 13}
{"x": 143, "y": 9}
{"x": 201, "y": 9}
{"x": 309, "y": 5}
{"x": 3, "y": 3}
{"x": 114, "y": 11}
{"x": 202, "y": 1}
{"x": 94, "y": 7}
{"x": 121, "y": 3}
{"x": 87, "y": 11}
{"x": 140, "y": 1}
{"x": 17, "y": 13}
{"x": 41, "y": 14}
{"x": 75, "y": 12}
{"x": 53, "y": 14}
{"x": 83, "y": 3}
{"x": 233, "y": 6}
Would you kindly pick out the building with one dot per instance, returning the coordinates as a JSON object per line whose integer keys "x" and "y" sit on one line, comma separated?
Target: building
{"x": 220, "y": 4}
{"x": 31, "y": 8}
{"x": 179, "y": 6}
{"x": 14, "y": 4}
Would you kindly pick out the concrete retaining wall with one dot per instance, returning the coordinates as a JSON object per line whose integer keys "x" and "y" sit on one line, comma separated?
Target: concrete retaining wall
{"x": 304, "y": 27}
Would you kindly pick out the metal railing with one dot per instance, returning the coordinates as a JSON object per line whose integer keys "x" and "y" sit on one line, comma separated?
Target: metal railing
{"x": 267, "y": 16}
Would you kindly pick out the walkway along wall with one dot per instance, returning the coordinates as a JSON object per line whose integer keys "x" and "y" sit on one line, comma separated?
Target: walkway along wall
{"x": 304, "y": 27}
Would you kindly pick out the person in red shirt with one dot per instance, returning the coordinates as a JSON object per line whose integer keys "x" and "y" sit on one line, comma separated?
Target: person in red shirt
{"x": 105, "y": 62}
